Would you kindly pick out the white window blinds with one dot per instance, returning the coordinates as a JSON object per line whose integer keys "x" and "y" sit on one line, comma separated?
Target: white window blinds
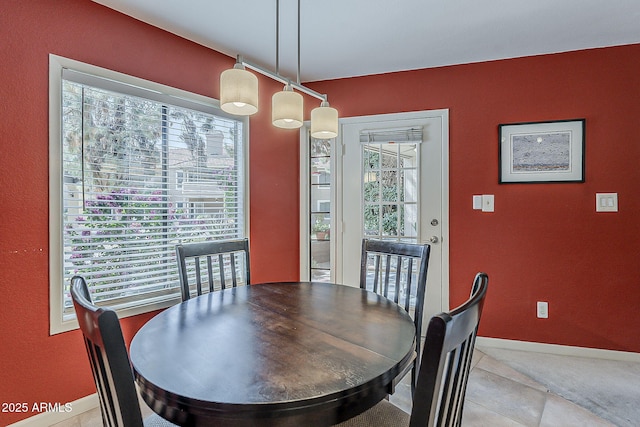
{"x": 142, "y": 172}
{"x": 392, "y": 136}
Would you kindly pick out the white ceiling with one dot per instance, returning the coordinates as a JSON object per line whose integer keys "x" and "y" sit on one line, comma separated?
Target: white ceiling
{"x": 344, "y": 38}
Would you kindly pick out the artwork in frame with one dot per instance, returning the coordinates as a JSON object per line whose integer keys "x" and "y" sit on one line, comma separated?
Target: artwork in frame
{"x": 542, "y": 151}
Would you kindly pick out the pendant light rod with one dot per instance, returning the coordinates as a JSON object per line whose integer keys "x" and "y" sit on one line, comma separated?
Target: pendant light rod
{"x": 277, "y": 36}
{"x": 298, "y": 73}
{"x": 281, "y": 79}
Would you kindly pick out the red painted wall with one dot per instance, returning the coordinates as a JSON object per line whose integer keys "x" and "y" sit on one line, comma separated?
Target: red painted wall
{"x": 36, "y": 367}
{"x": 545, "y": 242}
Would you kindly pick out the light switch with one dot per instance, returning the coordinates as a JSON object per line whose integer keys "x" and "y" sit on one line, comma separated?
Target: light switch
{"x": 477, "y": 202}
{"x": 606, "y": 202}
{"x": 487, "y": 203}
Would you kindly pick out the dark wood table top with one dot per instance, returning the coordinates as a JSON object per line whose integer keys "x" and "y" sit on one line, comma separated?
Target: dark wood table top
{"x": 272, "y": 354}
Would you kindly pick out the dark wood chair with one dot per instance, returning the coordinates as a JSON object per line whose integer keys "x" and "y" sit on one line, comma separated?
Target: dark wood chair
{"x": 109, "y": 362}
{"x": 444, "y": 370}
{"x": 398, "y": 271}
{"x": 211, "y": 264}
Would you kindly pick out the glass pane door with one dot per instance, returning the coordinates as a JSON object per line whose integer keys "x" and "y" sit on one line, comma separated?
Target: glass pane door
{"x": 390, "y": 191}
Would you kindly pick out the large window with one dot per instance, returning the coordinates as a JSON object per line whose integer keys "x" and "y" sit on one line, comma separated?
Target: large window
{"x": 136, "y": 169}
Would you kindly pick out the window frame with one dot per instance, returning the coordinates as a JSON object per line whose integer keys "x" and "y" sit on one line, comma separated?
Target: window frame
{"x": 57, "y": 324}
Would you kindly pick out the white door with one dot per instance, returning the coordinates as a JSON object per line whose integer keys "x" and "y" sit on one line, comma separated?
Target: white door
{"x": 410, "y": 152}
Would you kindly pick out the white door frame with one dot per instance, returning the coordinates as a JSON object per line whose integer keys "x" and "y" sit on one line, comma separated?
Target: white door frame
{"x": 336, "y": 198}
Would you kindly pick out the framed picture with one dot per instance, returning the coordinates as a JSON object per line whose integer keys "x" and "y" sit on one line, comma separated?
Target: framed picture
{"x": 542, "y": 152}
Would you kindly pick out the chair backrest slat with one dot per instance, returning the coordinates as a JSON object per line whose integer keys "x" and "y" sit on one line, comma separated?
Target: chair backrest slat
{"x": 232, "y": 258}
{"x": 446, "y": 362}
{"x": 222, "y": 256}
{"x": 407, "y": 301}
{"x": 223, "y": 281}
{"x": 387, "y": 276}
{"x": 376, "y": 273}
{"x": 196, "y": 261}
{"x": 398, "y": 277}
{"x": 209, "y": 274}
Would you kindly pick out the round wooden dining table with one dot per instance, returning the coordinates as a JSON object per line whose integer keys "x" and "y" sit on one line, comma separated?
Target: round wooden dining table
{"x": 273, "y": 354}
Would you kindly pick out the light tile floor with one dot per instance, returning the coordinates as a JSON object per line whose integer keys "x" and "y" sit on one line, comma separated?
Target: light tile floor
{"x": 607, "y": 388}
{"x": 510, "y": 388}
{"x": 499, "y": 395}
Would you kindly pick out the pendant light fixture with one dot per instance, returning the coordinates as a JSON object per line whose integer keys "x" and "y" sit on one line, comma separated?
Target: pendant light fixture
{"x": 239, "y": 94}
{"x": 239, "y": 90}
{"x": 324, "y": 121}
{"x": 287, "y": 107}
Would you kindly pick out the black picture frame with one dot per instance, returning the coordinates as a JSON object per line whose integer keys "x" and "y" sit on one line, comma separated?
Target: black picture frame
{"x": 542, "y": 152}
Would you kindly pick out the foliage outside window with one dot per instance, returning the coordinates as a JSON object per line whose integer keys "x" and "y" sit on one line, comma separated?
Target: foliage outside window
{"x": 140, "y": 175}
{"x": 389, "y": 191}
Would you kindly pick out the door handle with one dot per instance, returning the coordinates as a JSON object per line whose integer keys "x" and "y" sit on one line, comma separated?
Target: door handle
{"x": 434, "y": 239}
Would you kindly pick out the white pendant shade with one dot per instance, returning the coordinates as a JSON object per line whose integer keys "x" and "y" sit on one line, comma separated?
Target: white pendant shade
{"x": 239, "y": 91}
{"x": 287, "y": 109}
{"x": 324, "y": 121}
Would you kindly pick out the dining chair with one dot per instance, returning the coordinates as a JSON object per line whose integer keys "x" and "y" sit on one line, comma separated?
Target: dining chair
{"x": 398, "y": 271}
{"x": 444, "y": 371}
{"x": 109, "y": 362}
{"x": 211, "y": 263}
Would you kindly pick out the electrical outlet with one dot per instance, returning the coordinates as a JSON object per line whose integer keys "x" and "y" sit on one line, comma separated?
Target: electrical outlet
{"x": 543, "y": 310}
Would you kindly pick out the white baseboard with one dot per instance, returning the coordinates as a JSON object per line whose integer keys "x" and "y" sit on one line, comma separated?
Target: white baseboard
{"x": 76, "y": 407}
{"x": 563, "y": 350}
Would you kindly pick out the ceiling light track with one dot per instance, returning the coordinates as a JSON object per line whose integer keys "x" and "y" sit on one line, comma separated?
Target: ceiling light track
{"x": 280, "y": 78}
